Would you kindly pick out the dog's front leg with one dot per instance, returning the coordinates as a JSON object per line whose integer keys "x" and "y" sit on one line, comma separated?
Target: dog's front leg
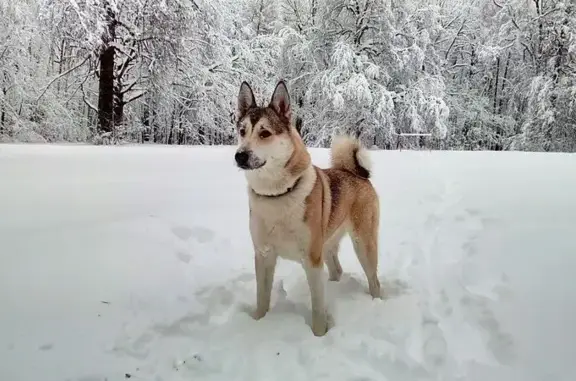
{"x": 265, "y": 263}
{"x": 317, "y": 292}
{"x": 265, "y": 258}
{"x": 314, "y": 267}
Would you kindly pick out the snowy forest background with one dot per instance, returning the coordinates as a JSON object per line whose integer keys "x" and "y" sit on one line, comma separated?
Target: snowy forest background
{"x": 475, "y": 74}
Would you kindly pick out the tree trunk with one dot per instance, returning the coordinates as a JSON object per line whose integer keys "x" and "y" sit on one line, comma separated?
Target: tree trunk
{"x": 3, "y": 113}
{"x": 504, "y": 81}
{"x": 106, "y": 84}
{"x": 496, "y": 84}
{"x": 119, "y": 104}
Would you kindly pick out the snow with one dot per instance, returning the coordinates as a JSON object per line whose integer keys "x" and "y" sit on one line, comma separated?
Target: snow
{"x": 136, "y": 262}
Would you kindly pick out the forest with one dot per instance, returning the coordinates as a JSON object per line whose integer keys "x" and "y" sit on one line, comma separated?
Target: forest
{"x": 417, "y": 74}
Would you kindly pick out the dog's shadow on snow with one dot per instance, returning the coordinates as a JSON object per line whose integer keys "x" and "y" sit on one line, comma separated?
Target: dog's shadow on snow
{"x": 221, "y": 305}
{"x": 354, "y": 286}
{"x": 296, "y": 301}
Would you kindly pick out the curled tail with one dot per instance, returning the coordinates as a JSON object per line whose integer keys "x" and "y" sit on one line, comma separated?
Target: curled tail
{"x": 349, "y": 154}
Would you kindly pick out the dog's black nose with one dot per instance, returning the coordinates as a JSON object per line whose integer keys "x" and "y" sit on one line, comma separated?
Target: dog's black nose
{"x": 241, "y": 158}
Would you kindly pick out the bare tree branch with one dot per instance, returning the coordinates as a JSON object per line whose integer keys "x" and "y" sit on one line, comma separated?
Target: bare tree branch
{"x": 60, "y": 76}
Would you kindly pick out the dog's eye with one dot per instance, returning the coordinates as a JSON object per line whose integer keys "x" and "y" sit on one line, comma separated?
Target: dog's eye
{"x": 242, "y": 132}
{"x": 264, "y": 134}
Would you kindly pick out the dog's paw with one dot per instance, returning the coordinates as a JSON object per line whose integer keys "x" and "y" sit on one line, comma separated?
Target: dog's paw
{"x": 335, "y": 276}
{"x": 258, "y": 314}
{"x": 374, "y": 288}
{"x": 319, "y": 329}
{"x": 377, "y": 294}
{"x": 320, "y": 324}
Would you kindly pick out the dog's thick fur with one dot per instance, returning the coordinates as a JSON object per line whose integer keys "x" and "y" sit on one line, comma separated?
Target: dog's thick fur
{"x": 299, "y": 211}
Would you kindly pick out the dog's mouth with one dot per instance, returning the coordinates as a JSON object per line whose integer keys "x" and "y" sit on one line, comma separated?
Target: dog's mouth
{"x": 251, "y": 167}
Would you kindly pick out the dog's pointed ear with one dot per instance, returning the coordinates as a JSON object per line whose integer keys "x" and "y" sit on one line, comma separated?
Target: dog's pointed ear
{"x": 280, "y": 101}
{"x": 246, "y": 100}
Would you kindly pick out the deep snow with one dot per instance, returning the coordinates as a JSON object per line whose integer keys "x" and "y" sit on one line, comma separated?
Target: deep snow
{"x": 136, "y": 262}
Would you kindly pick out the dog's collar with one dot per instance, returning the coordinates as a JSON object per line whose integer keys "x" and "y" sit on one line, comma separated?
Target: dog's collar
{"x": 274, "y": 195}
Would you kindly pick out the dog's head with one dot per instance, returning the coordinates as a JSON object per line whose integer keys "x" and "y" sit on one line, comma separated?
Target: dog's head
{"x": 264, "y": 133}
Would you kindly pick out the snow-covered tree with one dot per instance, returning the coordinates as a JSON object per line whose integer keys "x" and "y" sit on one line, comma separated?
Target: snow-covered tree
{"x": 451, "y": 74}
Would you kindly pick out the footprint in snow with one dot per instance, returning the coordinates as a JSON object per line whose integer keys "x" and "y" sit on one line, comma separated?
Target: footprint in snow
{"x": 184, "y": 257}
{"x": 46, "y": 347}
{"x": 201, "y": 234}
{"x": 182, "y": 232}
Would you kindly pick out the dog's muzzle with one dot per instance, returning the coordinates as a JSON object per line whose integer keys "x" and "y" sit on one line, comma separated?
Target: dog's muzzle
{"x": 242, "y": 158}
{"x": 245, "y": 159}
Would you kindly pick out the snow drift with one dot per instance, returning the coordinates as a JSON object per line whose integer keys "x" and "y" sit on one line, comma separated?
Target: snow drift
{"x": 120, "y": 262}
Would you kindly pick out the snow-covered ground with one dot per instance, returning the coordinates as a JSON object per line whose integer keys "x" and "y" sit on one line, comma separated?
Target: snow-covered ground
{"x": 136, "y": 262}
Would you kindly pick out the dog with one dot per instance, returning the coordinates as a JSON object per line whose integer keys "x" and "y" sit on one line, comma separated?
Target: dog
{"x": 298, "y": 211}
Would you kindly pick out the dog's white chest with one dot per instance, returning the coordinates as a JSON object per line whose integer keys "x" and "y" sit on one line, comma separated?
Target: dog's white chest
{"x": 289, "y": 240}
{"x": 280, "y": 232}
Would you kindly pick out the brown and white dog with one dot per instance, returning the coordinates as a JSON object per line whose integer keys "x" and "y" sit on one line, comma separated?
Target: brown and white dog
{"x": 298, "y": 211}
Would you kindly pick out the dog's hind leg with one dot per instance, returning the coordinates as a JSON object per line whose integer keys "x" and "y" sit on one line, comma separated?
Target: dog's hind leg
{"x": 332, "y": 262}
{"x": 331, "y": 249}
{"x": 364, "y": 236}
{"x": 367, "y": 253}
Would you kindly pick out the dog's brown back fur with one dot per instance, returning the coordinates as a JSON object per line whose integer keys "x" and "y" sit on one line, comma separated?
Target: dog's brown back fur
{"x": 343, "y": 201}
